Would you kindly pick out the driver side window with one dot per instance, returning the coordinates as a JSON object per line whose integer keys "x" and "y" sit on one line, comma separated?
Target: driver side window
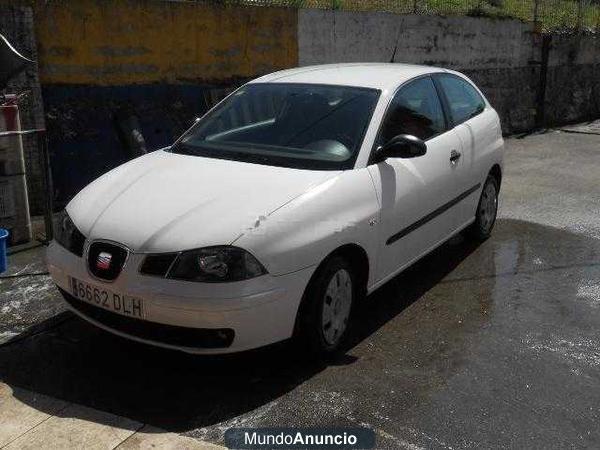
{"x": 415, "y": 110}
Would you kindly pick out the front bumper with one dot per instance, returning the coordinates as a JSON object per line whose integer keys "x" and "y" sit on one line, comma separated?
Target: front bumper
{"x": 188, "y": 316}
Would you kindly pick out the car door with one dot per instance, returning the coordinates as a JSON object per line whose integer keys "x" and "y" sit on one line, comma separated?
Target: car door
{"x": 417, "y": 194}
{"x": 477, "y": 127}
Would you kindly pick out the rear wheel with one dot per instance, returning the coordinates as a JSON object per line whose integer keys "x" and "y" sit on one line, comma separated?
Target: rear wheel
{"x": 485, "y": 217}
{"x": 326, "y": 308}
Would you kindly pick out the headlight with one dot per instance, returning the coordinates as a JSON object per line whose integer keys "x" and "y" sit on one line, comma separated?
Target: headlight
{"x": 67, "y": 234}
{"x": 216, "y": 264}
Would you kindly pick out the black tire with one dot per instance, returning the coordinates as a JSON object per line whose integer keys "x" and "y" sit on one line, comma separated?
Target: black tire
{"x": 485, "y": 219}
{"x": 310, "y": 335}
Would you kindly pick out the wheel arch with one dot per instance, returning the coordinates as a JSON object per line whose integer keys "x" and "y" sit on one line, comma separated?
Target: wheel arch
{"x": 496, "y": 172}
{"x": 358, "y": 259}
{"x": 356, "y": 256}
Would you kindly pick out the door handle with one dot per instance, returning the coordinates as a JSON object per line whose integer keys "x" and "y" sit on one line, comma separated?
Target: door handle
{"x": 454, "y": 156}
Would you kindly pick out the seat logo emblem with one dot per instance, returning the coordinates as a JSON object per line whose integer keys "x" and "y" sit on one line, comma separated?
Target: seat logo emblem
{"x": 103, "y": 261}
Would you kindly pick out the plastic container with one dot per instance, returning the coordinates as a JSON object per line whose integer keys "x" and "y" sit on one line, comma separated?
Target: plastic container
{"x": 3, "y": 241}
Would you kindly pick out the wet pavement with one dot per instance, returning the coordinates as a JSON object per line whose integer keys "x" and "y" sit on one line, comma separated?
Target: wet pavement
{"x": 496, "y": 345}
{"x": 27, "y": 295}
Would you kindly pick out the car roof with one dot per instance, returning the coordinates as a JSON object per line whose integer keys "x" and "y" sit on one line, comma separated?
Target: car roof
{"x": 369, "y": 75}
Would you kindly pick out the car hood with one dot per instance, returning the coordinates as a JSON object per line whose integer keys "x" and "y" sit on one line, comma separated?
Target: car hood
{"x": 165, "y": 202}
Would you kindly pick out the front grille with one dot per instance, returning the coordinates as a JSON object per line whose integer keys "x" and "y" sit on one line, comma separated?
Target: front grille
{"x": 158, "y": 264}
{"x": 152, "y": 331}
{"x": 106, "y": 260}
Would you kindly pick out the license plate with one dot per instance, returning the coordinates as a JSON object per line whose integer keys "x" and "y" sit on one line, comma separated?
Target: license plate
{"x": 103, "y": 298}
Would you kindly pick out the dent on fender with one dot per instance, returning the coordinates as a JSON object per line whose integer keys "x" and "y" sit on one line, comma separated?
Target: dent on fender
{"x": 339, "y": 211}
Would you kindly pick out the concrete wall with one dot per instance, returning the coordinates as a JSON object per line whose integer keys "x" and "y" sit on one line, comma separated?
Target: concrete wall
{"x": 465, "y": 42}
{"x": 573, "y": 80}
{"x": 502, "y": 56}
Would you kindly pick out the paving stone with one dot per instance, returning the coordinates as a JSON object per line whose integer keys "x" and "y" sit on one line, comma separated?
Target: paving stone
{"x": 78, "y": 427}
{"x": 22, "y": 410}
{"x": 150, "y": 438}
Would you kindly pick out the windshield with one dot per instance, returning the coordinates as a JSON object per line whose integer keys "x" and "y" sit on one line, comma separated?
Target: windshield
{"x": 283, "y": 124}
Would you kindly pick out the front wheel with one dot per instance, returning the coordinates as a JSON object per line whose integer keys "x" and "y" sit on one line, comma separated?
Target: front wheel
{"x": 326, "y": 308}
{"x": 485, "y": 217}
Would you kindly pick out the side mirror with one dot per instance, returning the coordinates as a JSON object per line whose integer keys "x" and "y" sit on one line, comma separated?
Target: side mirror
{"x": 401, "y": 146}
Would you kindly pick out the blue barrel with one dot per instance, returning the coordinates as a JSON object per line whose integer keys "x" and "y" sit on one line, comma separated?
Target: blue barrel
{"x": 3, "y": 259}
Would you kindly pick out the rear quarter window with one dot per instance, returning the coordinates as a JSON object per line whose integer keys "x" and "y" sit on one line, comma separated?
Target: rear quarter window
{"x": 463, "y": 99}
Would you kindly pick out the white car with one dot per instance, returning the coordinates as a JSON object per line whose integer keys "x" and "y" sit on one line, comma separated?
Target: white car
{"x": 295, "y": 196}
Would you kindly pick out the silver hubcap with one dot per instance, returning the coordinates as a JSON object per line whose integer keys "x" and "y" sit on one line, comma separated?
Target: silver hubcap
{"x": 336, "y": 307}
{"x": 488, "y": 207}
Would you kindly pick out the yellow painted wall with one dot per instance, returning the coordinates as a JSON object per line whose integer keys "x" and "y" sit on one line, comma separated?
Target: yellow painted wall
{"x": 116, "y": 42}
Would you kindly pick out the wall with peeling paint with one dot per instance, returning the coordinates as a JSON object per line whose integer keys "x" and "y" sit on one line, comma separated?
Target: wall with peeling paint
{"x": 157, "y": 64}
{"x": 115, "y": 42}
